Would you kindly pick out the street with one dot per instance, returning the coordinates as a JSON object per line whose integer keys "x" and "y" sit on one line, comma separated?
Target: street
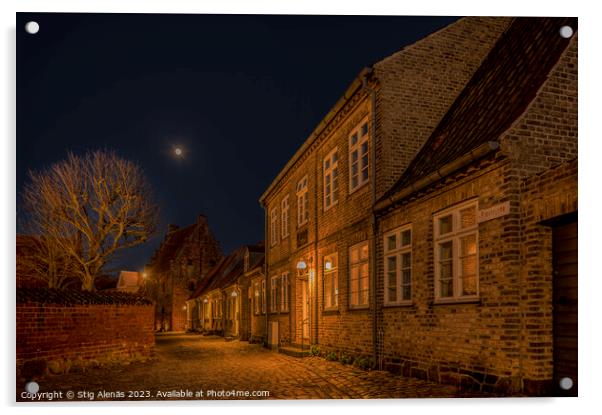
{"x": 186, "y": 366}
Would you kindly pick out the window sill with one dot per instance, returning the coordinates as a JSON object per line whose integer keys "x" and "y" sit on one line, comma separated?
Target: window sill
{"x": 463, "y": 300}
{"x": 330, "y": 312}
{"x": 357, "y": 189}
{"x": 326, "y": 209}
{"x": 400, "y": 304}
{"x": 359, "y": 308}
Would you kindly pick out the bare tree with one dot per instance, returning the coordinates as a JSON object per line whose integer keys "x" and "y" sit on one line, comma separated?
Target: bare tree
{"x": 89, "y": 207}
{"x": 41, "y": 259}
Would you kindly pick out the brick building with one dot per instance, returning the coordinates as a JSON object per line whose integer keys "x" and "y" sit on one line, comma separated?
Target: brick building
{"x": 221, "y": 304}
{"x": 429, "y": 222}
{"x": 318, "y": 210}
{"x": 182, "y": 261}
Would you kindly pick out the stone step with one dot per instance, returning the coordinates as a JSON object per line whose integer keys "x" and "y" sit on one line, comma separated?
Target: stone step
{"x": 294, "y": 351}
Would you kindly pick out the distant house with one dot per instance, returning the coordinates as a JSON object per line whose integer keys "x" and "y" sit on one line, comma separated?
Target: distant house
{"x": 181, "y": 262}
{"x": 429, "y": 223}
{"x": 130, "y": 281}
{"x": 220, "y": 304}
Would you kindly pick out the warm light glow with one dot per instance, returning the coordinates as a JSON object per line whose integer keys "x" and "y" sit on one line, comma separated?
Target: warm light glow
{"x": 178, "y": 151}
{"x": 234, "y": 294}
{"x": 328, "y": 265}
{"x": 301, "y": 265}
{"x": 184, "y": 307}
{"x": 205, "y": 301}
{"x": 144, "y": 275}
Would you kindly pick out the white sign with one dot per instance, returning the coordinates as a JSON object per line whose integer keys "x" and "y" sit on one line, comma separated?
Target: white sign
{"x": 494, "y": 212}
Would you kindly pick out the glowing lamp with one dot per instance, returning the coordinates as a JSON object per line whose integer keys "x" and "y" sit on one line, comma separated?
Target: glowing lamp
{"x": 234, "y": 294}
{"x": 328, "y": 265}
{"x": 301, "y": 265}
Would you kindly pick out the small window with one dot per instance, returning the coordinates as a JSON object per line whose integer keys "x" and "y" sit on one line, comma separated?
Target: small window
{"x": 274, "y": 227}
{"x": 398, "y": 265}
{"x": 274, "y": 294}
{"x": 331, "y": 282}
{"x": 263, "y": 297}
{"x": 284, "y": 292}
{"x": 302, "y": 202}
{"x": 359, "y": 275}
{"x": 331, "y": 179}
{"x": 456, "y": 253}
{"x": 358, "y": 156}
{"x": 284, "y": 209}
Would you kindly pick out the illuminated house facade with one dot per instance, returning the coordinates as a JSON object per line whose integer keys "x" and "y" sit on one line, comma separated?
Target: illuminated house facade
{"x": 222, "y": 304}
{"x": 181, "y": 262}
{"x": 415, "y": 226}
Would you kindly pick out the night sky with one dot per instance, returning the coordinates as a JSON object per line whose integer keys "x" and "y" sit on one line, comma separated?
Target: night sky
{"x": 239, "y": 94}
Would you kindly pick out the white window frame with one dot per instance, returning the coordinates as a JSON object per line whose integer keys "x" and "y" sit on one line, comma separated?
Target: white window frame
{"x": 455, "y": 237}
{"x": 284, "y": 292}
{"x": 362, "y": 265}
{"x": 274, "y": 294}
{"x": 284, "y": 219}
{"x": 397, "y": 252}
{"x": 331, "y": 282}
{"x": 330, "y": 167}
{"x": 274, "y": 226}
{"x": 362, "y": 137}
{"x": 256, "y": 299}
{"x": 302, "y": 201}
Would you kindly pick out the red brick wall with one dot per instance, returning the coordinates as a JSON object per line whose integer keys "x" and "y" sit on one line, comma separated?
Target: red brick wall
{"x": 54, "y": 337}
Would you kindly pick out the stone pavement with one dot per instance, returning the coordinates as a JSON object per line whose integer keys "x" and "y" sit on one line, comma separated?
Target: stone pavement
{"x": 212, "y": 365}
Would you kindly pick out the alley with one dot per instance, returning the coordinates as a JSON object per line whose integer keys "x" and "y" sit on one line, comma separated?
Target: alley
{"x": 210, "y": 364}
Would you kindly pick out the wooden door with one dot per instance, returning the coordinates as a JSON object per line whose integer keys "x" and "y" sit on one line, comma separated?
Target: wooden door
{"x": 565, "y": 308}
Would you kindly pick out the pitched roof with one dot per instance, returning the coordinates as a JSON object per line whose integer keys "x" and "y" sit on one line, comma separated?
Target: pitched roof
{"x": 227, "y": 271}
{"x": 497, "y": 94}
{"x": 169, "y": 248}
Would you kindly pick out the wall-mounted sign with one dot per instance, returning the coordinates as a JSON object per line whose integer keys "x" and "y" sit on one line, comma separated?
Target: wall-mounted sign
{"x": 494, "y": 212}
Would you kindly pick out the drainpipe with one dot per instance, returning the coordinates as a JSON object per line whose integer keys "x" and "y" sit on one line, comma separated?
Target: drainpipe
{"x": 265, "y": 273}
{"x": 373, "y": 225}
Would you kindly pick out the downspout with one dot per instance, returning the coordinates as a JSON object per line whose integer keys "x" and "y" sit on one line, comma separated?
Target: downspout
{"x": 265, "y": 273}
{"x": 373, "y": 225}
{"x": 314, "y": 278}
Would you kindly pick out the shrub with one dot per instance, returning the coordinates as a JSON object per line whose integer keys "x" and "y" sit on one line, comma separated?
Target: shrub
{"x": 331, "y": 357}
{"x": 314, "y": 350}
{"x": 345, "y": 359}
{"x": 363, "y": 363}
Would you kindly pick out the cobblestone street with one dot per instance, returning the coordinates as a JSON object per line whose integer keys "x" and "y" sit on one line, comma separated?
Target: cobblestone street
{"x": 193, "y": 362}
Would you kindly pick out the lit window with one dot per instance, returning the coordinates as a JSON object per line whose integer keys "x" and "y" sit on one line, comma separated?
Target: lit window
{"x": 331, "y": 179}
{"x": 358, "y": 156}
{"x": 263, "y": 297}
{"x": 284, "y": 292}
{"x": 302, "y": 202}
{"x": 359, "y": 275}
{"x": 398, "y": 265}
{"x": 274, "y": 226}
{"x": 331, "y": 282}
{"x": 456, "y": 253}
{"x": 284, "y": 209}
{"x": 274, "y": 294}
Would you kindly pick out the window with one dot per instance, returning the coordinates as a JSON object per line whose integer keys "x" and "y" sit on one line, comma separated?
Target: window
{"x": 274, "y": 294}
{"x": 273, "y": 227}
{"x": 358, "y": 156}
{"x": 302, "y": 202}
{"x": 257, "y": 299}
{"x": 331, "y": 282}
{"x": 359, "y": 276}
{"x": 456, "y": 253}
{"x": 263, "y": 298}
{"x": 284, "y": 292}
{"x": 284, "y": 209}
{"x": 331, "y": 179}
{"x": 398, "y": 265}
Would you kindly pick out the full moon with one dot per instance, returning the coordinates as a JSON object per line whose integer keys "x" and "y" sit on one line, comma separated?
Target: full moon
{"x": 178, "y": 151}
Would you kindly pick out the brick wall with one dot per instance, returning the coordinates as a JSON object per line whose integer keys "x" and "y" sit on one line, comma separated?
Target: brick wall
{"x": 57, "y": 333}
{"x": 419, "y": 83}
{"x": 546, "y": 134}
